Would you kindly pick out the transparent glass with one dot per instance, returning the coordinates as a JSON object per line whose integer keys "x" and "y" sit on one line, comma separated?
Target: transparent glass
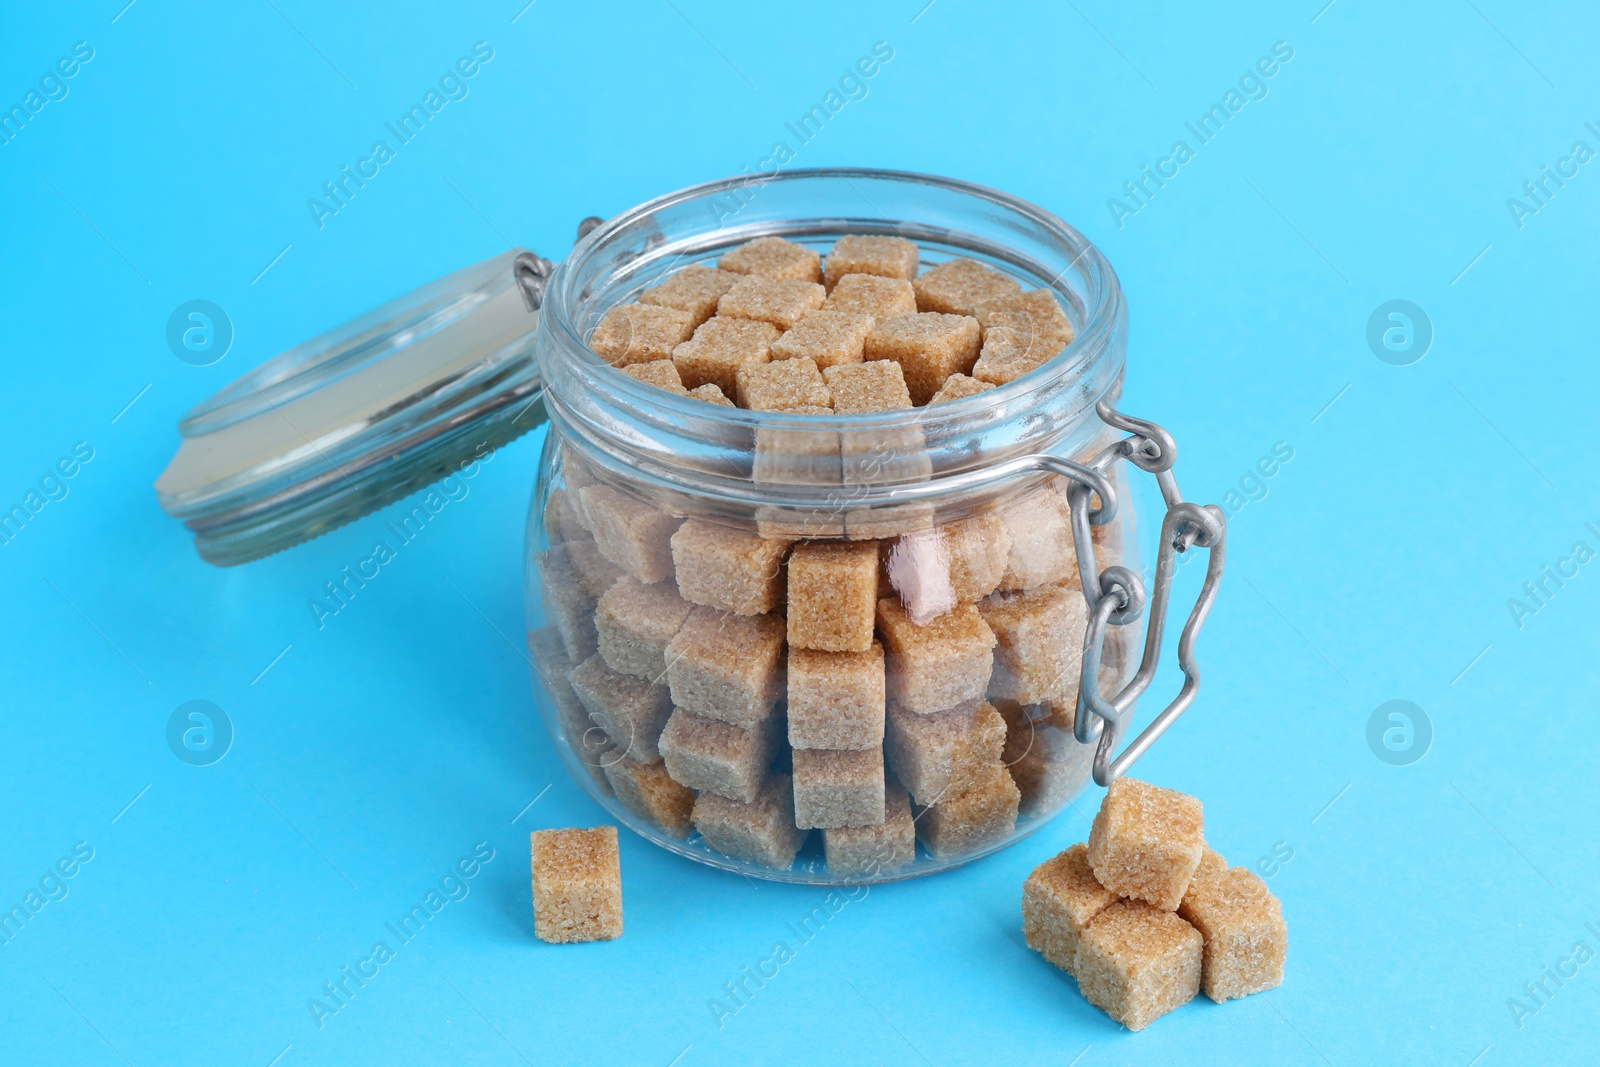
{"x": 777, "y": 608}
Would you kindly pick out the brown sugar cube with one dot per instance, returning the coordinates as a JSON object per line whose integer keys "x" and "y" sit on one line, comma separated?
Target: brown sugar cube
{"x": 1035, "y": 319}
{"x": 836, "y": 699}
{"x": 647, "y": 790}
{"x": 577, "y": 885}
{"x": 710, "y": 756}
{"x": 876, "y": 850}
{"x": 946, "y": 752}
{"x": 695, "y": 290}
{"x": 866, "y": 294}
{"x": 567, "y": 603}
{"x": 1059, "y": 901}
{"x": 719, "y": 348}
{"x": 727, "y": 568}
{"x": 861, "y": 387}
{"x": 1040, "y": 652}
{"x": 959, "y": 386}
{"x": 1046, "y": 761}
{"x": 711, "y": 394}
{"x": 1146, "y": 842}
{"x": 773, "y": 257}
{"x": 631, "y": 711}
{"x": 937, "y": 666}
{"x": 762, "y": 831}
{"x": 928, "y": 346}
{"x": 590, "y": 743}
{"x": 837, "y": 788}
{"x": 563, "y": 521}
{"x": 727, "y": 667}
{"x": 780, "y": 302}
{"x": 979, "y": 549}
{"x": 1040, "y": 528}
{"x": 885, "y": 257}
{"x": 661, "y": 373}
{"x": 917, "y": 570}
{"x": 635, "y": 622}
{"x": 827, "y": 338}
{"x": 1136, "y": 963}
{"x": 832, "y": 586}
{"x": 597, "y": 573}
{"x": 1006, "y": 355}
{"x": 630, "y": 533}
{"x": 1242, "y": 925}
{"x": 888, "y": 520}
{"x": 639, "y": 333}
{"x": 973, "y": 819}
{"x": 796, "y": 455}
{"x": 783, "y": 385}
{"x": 959, "y": 286}
{"x": 873, "y": 457}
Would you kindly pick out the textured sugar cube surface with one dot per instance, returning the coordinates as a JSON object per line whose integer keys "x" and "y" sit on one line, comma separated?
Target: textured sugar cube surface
{"x": 1242, "y": 925}
{"x": 566, "y": 603}
{"x": 939, "y": 665}
{"x": 661, "y": 373}
{"x": 648, "y": 791}
{"x": 980, "y": 550}
{"x": 838, "y": 788}
{"x": 1146, "y": 842}
{"x": 762, "y": 831}
{"x": 634, "y": 623}
{"x": 946, "y": 752}
{"x": 929, "y": 346}
{"x": 832, "y": 589}
{"x": 836, "y": 699}
{"x": 861, "y": 387}
{"x": 961, "y": 286}
{"x": 727, "y": 667}
{"x": 1136, "y": 963}
{"x": 773, "y": 257}
{"x": 975, "y": 818}
{"x": 783, "y": 385}
{"x": 876, "y": 850}
{"x": 878, "y": 298}
{"x": 719, "y": 348}
{"x": 796, "y": 455}
{"x": 595, "y": 572}
{"x": 959, "y": 387}
{"x": 1039, "y": 525}
{"x": 890, "y": 520}
{"x": 586, "y": 740}
{"x": 708, "y": 755}
{"x": 639, "y": 333}
{"x": 711, "y": 394}
{"x": 827, "y": 338}
{"x": 1020, "y": 334}
{"x": 1039, "y": 654}
{"x": 630, "y": 710}
{"x": 1003, "y": 358}
{"x": 885, "y": 257}
{"x": 780, "y": 302}
{"x": 728, "y": 569}
{"x": 1048, "y": 764}
{"x": 1059, "y": 900}
{"x": 577, "y": 885}
{"x": 631, "y": 533}
{"x": 563, "y": 520}
{"x": 695, "y": 290}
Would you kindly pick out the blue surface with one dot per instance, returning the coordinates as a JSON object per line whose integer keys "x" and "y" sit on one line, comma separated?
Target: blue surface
{"x": 371, "y": 755}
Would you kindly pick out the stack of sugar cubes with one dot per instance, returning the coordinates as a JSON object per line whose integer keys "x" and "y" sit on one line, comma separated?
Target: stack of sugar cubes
{"x": 1146, "y": 915}
{"x": 880, "y": 682}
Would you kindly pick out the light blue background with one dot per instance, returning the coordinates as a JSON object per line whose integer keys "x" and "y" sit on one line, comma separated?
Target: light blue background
{"x": 377, "y": 751}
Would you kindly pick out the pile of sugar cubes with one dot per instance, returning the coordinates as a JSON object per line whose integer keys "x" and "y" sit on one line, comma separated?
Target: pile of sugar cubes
{"x": 1146, "y": 915}
{"x": 884, "y": 685}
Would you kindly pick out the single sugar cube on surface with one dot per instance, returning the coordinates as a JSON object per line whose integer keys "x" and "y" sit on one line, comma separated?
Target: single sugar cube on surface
{"x": 960, "y": 286}
{"x": 631, "y": 711}
{"x": 631, "y": 533}
{"x": 937, "y": 666}
{"x": 648, "y": 791}
{"x": 958, "y": 387}
{"x": 929, "y": 347}
{"x": 1242, "y": 925}
{"x": 832, "y": 590}
{"x": 567, "y": 603}
{"x": 661, "y": 373}
{"x": 1136, "y": 963}
{"x": 711, "y": 394}
{"x": 1059, "y": 900}
{"x": 980, "y": 549}
{"x": 838, "y": 788}
{"x": 866, "y": 294}
{"x": 876, "y": 850}
{"x": 1146, "y": 842}
{"x": 779, "y": 302}
{"x": 885, "y": 257}
{"x": 975, "y": 818}
{"x": 640, "y": 333}
{"x": 577, "y": 885}
{"x": 635, "y": 622}
{"x": 947, "y": 752}
{"x": 836, "y": 699}
{"x": 708, "y": 755}
{"x": 1039, "y": 526}
{"x": 1040, "y": 652}
{"x": 773, "y": 257}
{"x": 727, "y": 568}
{"x": 782, "y": 385}
{"x": 695, "y": 290}
{"x": 862, "y": 387}
{"x": 727, "y": 667}
{"x": 586, "y": 740}
{"x": 827, "y": 338}
{"x": 719, "y": 348}
{"x": 762, "y": 831}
